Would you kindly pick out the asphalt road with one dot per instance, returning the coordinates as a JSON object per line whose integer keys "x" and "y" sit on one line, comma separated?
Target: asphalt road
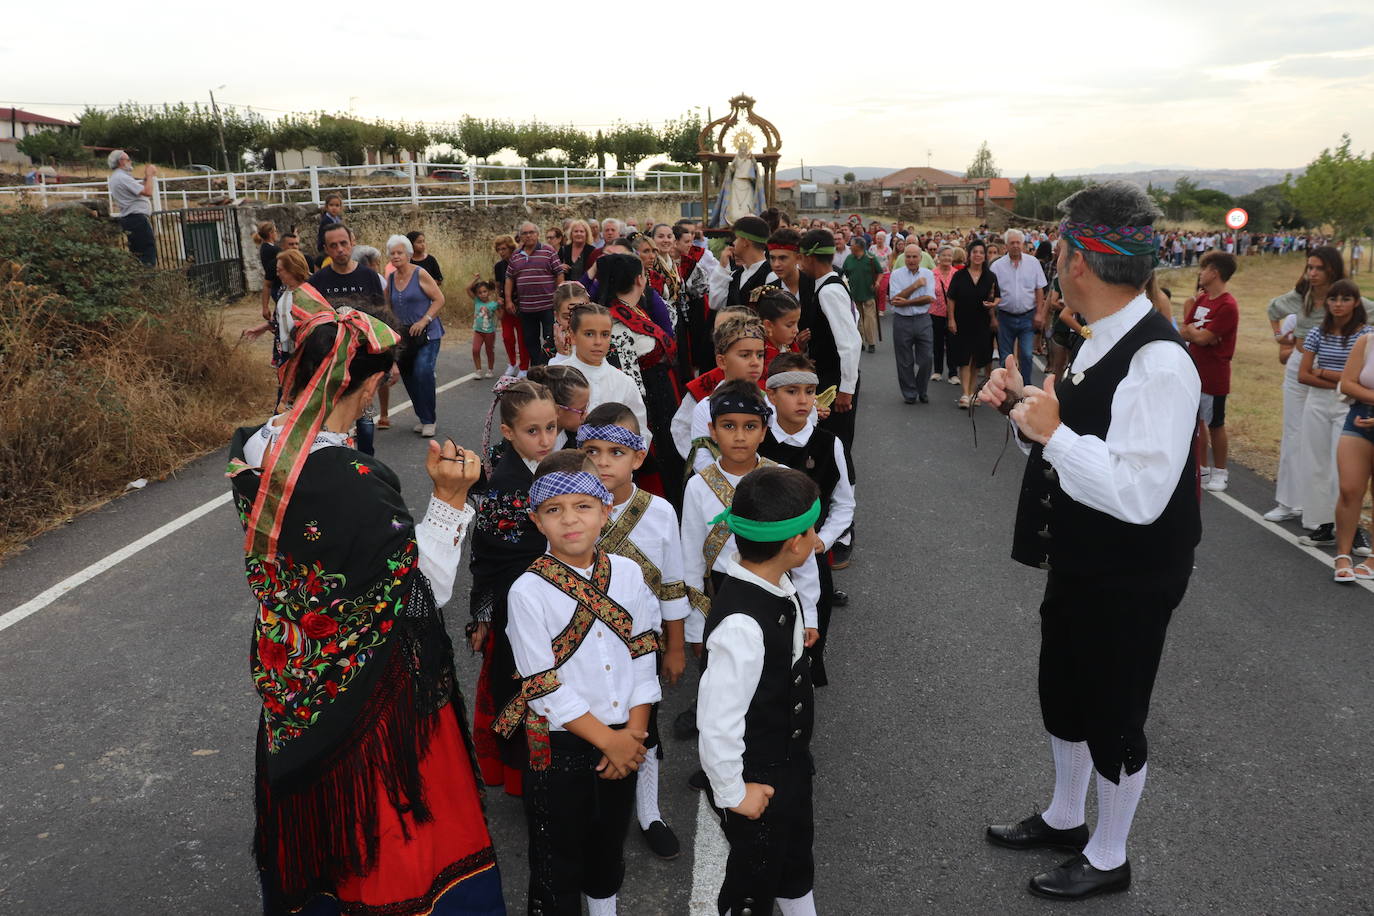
{"x": 128, "y": 715}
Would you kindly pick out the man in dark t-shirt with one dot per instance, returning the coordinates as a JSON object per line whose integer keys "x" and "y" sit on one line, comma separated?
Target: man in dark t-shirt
{"x": 342, "y": 280}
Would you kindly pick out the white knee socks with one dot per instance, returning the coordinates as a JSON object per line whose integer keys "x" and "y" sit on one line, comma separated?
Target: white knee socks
{"x": 646, "y": 791}
{"x": 1073, "y": 765}
{"x": 798, "y": 906}
{"x": 1115, "y": 811}
{"x": 601, "y": 906}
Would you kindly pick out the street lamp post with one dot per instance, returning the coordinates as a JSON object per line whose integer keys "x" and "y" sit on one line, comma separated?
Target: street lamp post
{"x": 219, "y": 122}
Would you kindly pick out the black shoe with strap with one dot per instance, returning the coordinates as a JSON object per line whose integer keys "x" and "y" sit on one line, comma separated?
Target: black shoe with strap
{"x": 662, "y": 841}
{"x": 1077, "y": 879}
{"x": 1034, "y": 833}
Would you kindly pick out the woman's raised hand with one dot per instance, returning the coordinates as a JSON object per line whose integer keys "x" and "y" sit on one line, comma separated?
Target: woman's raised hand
{"x": 453, "y": 469}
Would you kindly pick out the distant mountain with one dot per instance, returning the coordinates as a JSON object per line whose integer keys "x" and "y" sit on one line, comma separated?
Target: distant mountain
{"x": 829, "y": 173}
{"x": 1232, "y": 181}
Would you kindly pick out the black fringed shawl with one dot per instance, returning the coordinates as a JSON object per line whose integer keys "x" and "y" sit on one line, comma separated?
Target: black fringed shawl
{"x": 351, "y": 659}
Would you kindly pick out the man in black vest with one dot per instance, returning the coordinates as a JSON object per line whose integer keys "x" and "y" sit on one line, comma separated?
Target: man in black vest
{"x": 743, "y": 265}
{"x": 1109, "y": 506}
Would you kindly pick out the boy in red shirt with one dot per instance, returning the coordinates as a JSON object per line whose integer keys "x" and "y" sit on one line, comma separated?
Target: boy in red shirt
{"x": 1210, "y": 320}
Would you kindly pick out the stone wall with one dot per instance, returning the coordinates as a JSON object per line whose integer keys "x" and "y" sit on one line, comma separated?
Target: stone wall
{"x": 473, "y": 226}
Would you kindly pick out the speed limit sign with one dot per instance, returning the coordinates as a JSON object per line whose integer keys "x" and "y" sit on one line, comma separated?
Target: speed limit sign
{"x": 1236, "y": 218}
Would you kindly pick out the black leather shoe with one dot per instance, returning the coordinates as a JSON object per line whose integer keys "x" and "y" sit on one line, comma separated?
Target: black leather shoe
{"x": 1076, "y": 879}
{"x": 839, "y": 599}
{"x": 685, "y": 723}
{"x": 1034, "y": 833}
{"x": 661, "y": 840}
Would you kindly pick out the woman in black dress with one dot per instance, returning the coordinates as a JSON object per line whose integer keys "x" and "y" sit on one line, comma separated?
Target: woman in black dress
{"x": 973, "y": 295}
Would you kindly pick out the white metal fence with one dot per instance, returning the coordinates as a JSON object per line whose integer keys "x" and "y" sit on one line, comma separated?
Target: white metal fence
{"x": 374, "y": 185}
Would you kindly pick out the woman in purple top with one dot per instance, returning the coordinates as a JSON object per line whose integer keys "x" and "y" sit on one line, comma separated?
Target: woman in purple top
{"x": 416, "y": 299}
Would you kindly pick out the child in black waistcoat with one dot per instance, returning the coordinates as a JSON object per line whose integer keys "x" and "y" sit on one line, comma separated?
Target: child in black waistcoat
{"x": 755, "y": 702}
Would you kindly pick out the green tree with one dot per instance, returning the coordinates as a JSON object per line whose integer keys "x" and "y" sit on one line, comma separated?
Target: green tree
{"x": 1338, "y": 189}
{"x": 577, "y": 145}
{"x": 630, "y": 144}
{"x": 54, "y": 146}
{"x": 483, "y": 139}
{"x": 679, "y": 138}
{"x": 293, "y": 132}
{"x": 532, "y": 139}
{"x": 983, "y": 165}
{"x": 341, "y": 137}
{"x": 1272, "y": 207}
{"x": 849, "y": 178}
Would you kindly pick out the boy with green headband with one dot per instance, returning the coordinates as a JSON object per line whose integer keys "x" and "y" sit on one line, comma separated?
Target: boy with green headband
{"x": 755, "y": 701}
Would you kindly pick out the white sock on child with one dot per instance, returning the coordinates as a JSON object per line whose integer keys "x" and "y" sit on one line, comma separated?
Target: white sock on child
{"x": 798, "y": 906}
{"x": 1115, "y": 811}
{"x": 1073, "y": 766}
{"x": 646, "y": 792}
{"x": 601, "y": 906}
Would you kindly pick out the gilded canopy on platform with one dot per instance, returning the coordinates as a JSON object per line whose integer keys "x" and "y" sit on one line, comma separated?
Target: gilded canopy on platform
{"x": 736, "y": 180}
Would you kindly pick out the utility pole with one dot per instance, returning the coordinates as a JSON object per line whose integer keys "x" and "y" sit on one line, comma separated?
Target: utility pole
{"x": 928, "y": 154}
{"x": 219, "y": 122}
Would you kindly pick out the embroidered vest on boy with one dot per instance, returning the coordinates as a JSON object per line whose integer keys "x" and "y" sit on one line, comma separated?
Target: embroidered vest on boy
{"x": 593, "y": 603}
{"x": 738, "y": 293}
{"x": 822, "y": 349}
{"x": 724, "y": 491}
{"x": 816, "y": 460}
{"x": 777, "y": 726}
{"x": 615, "y": 538}
{"x": 1054, "y": 531}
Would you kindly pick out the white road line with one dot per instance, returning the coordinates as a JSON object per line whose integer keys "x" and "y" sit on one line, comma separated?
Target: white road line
{"x": 38, "y": 602}
{"x": 1282, "y": 532}
{"x": 708, "y": 861}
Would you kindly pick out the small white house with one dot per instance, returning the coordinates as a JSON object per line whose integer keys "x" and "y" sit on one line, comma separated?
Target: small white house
{"x": 16, "y": 124}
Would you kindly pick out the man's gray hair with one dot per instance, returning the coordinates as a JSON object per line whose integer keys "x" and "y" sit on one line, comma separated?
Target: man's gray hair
{"x": 367, "y": 256}
{"x": 619, "y": 226}
{"x": 1014, "y": 233}
{"x": 1114, "y": 203}
{"x": 114, "y": 157}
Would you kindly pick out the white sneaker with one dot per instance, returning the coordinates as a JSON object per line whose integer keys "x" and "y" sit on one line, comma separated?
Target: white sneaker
{"x": 1205, "y": 472}
{"x": 511, "y": 370}
{"x": 427, "y": 430}
{"x": 1281, "y": 513}
{"x": 1217, "y": 481}
{"x": 418, "y": 427}
{"x": 935, "y": 376}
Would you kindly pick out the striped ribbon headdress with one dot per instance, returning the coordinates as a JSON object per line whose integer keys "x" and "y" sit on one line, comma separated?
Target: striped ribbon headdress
{"x": 282, "y": 467}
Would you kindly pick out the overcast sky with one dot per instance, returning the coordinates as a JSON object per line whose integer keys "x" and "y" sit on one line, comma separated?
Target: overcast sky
{"x": 1061, "y": 85}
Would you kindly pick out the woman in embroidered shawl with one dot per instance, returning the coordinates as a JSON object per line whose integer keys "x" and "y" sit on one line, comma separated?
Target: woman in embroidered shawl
{"x": 505, "y": 542}
{"x": 646, "y": 353}
{"x": 366, "y": 800}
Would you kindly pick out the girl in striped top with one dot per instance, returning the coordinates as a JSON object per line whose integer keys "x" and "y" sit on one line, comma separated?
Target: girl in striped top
{"x": 1324, "y": 353}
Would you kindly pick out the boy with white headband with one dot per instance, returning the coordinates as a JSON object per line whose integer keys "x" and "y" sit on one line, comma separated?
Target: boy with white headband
{"x": 643, "y": 528}
{"x": 756, "y": 704}
{"x": 794, "y": 440}
{"x": 581, "y": 629}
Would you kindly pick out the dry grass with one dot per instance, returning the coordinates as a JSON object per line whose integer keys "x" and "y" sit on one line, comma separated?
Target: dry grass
{"x": 84, "y": 411}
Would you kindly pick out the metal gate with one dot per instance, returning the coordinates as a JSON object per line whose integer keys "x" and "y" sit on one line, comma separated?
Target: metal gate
{"x": 205, "y": 243}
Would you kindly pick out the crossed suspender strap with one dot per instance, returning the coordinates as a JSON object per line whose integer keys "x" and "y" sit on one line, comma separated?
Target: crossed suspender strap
{"x": 593, "y": 603}
{"x": 615, "y": 538}
{"x": 725, "y": 492}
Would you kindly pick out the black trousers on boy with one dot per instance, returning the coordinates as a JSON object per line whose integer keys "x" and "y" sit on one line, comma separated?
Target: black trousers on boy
{"x": 577, "y": 824}
{"x": 771, "y": 857}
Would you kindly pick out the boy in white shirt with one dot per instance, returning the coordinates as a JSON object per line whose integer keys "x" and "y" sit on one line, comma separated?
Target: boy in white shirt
{"x": 581, "y": 628}
{"x": 643, "y": 528}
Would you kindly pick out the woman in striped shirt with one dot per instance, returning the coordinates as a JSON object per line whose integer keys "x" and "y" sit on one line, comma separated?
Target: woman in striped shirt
{"x": 1324, "y": 353}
